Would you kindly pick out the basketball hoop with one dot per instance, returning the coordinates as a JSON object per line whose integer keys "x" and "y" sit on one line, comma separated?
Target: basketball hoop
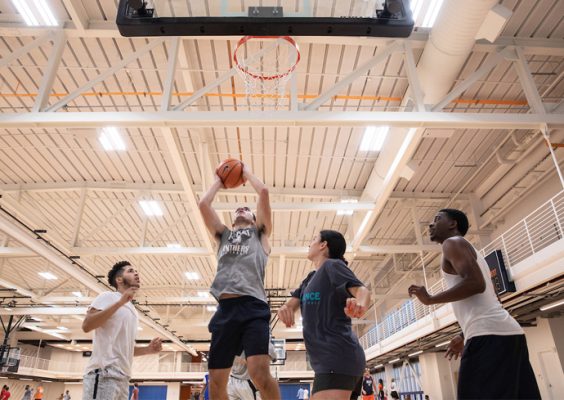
{"x": 266, "y": 69}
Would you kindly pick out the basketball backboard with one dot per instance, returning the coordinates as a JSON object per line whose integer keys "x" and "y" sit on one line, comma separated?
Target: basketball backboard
{"x": 388, "y": 18}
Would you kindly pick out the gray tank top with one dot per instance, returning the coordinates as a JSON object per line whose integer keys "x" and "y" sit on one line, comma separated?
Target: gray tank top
{"x": 241, "y": 264}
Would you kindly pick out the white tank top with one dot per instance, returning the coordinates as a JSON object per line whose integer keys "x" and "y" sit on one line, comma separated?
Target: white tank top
{"x": 482, "y": 314}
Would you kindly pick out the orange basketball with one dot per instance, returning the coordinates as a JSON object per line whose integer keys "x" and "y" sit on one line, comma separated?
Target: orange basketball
{"x": 230, "y": 172}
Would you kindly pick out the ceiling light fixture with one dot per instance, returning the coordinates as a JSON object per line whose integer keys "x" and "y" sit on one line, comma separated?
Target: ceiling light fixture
{"x": 151, "y": 208}
{"x": 432, "y": 13}
{"x": 374, "y": 137}
{"x": 394, "y": 360}
{"x": 25, "y": 12}
{"x": 111, "y": 139}
{"x": 47, "y": 275}
{"x": 415, "y": 354}
{"x": 442, "y": 344}
{"x": 45, "y": 13}
{"x": 192, "y": 276}
{"x": 347, "y": 212}
{"x": 78, "y": 294}
{"x": 203, "y": 295}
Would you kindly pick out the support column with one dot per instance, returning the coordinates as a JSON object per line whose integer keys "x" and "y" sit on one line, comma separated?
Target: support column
{"x": 438, "y": 375}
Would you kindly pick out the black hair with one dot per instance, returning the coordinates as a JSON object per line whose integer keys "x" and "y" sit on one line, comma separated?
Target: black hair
{"x": 117, "y": 270}
{"x": 460, "y": 218}
{"x": 336, "y": 244}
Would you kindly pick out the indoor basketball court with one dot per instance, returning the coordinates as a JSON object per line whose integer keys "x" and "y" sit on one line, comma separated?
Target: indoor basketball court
{"x": 365, "y": 117}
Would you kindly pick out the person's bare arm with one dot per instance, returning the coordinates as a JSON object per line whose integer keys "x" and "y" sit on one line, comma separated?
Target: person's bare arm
{"x": 96, "y": 318}
{"x": 264, "y": 212}
{"x": 287, "y": 311}
{"x": 460, "y": 254}
{"x": 356, "y": 306}
{"x": 211, "y": 219}
{"x": 154, "y": 347}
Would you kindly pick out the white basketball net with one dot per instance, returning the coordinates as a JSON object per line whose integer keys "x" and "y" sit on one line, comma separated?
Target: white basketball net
{"x": 266, "y": 65}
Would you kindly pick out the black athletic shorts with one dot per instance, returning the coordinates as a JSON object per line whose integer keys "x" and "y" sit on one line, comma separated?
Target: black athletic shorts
{"x": 334, "y": 382}
{"x": 496, "y": 367}
{"x": 240, "y": 323}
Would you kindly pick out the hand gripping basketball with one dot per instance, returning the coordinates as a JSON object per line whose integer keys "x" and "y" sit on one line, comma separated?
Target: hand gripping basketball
{"x": 230, "y": 172}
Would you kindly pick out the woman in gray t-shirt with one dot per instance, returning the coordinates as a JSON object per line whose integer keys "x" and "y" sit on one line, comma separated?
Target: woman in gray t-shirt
{"x": 328, "y": 298}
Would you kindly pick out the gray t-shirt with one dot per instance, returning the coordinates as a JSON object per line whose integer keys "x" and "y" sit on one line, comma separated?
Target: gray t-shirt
{"x": 330, "y": 342}
{"x": 241, "y": 264}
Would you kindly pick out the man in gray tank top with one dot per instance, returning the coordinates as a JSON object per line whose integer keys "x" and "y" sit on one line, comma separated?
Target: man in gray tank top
{"x": 241, "y": 322}
{"x": 495, "y": 359}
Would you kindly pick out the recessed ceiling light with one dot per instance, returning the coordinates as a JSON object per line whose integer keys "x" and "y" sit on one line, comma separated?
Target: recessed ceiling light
{"x": 47, "y": 275}
{"x": 432, "y": 13}
{"x": 62, "y": 328}
{"x": 374, "y": 137}
{"x": 111, "y": 139}
{"x": 211, "y": 308}
{"x": 78, "y": 294}
{"x": 151, "y": 208}
{"x": 25, "y": 12}
{"x": 139, "y": 328}
{"x": 203, "y": 294}
{"x": 174, "y": 246}
{"x": 193, "y": 276}
{"x": 347, "y": 212}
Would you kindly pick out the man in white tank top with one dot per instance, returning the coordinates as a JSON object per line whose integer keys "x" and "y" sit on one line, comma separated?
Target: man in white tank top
{"x": 495, "y": 360}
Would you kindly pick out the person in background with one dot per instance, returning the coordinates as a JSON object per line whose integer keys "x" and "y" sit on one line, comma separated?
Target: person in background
{"x": 6, "y": 395}
{"x": 380, "y": 389}
{"x": 67, "y": 396}
{"x": 368, "y": 386}
{"x": 27, "y": 393}
{"x": 306, "y": 394}
{"x": 393, "y": 390}
{"x": 135, "y": 392}
{"x": 300, "y": 394}
{"x": 38, "y": 393}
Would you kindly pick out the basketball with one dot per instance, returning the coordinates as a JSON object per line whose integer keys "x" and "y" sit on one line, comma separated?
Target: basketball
{"x": 230, "y": 172}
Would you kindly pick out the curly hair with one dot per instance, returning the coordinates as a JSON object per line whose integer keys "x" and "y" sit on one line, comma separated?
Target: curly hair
{"x": 461, "y": 219}
{"x": 117, "y": 270}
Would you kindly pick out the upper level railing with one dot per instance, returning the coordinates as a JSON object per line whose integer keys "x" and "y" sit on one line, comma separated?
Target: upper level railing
{"x": 535, "y": 232}
{"x": 141, "y": 365}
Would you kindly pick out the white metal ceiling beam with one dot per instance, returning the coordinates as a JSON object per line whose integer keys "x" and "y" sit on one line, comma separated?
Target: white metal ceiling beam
{"x": 7, "y": 59}
{"x": 19, "y": 289}
{"x": 44, "y": 311}
{"x": 108, "y": 29}
{"x": 78, "y": 14}
{"x": 23, "y": 237}
{"x": 78, "y": 218}
{"x": 177, "y": 188}
{"x": 414, "y": 84}
{"x": 170, "y": 73}
{"x": 281, "y": 118}
{"x": 16, "y": 252}
{"x": 185, "y": 300}
{"x": 276, "y": 251}
{"x": 354, "y": 75}
{"x": 109, "y": 72}
{"x": 50, "y": 72}
{"x": 491, "y": 62}
{"x": 180, "y": 163}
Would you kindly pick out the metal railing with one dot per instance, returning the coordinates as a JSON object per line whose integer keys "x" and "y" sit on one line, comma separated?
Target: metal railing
{"x": 541, "y": 228}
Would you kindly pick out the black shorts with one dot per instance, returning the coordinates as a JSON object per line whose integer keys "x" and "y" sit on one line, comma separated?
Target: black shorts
{"x": 334, "y": 382}
{"x": 496, "y": 367}
{"x": 240, "y": 323}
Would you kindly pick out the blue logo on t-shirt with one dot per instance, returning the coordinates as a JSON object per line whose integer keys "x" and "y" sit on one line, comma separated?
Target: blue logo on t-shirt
{"x": 311, "y": 297}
